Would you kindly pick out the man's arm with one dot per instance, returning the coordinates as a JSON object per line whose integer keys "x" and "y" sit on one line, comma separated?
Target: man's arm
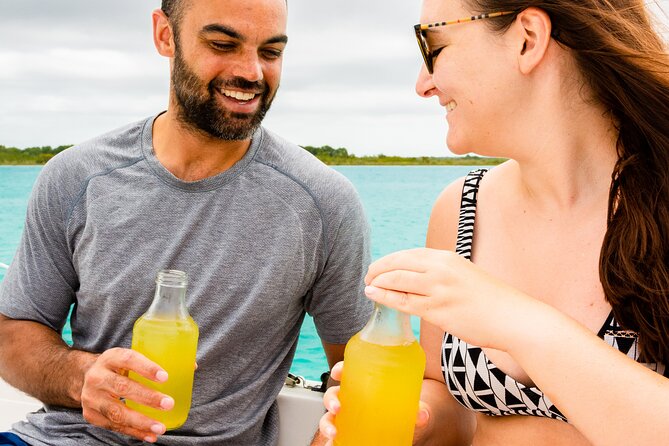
{"x": 338, "y": 304}
{"x": 334, "y": 353}
{"x": 35, "y": 359}
{"x": 35, "y": 297}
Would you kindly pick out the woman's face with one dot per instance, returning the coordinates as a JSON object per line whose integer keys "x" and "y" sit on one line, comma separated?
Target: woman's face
{"x": 473, "y": 77}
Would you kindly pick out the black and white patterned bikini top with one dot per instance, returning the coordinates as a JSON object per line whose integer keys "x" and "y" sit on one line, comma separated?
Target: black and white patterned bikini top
{"x": 476, "y": 382}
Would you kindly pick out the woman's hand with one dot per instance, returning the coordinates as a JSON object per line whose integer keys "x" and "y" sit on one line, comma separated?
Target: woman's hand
{"x": 450, "y": 292}
{"x": 331, "y": 402}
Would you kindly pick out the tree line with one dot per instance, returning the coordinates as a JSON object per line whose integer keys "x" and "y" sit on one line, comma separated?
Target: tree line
{"x": 327, "y": 154}
{"x": 30, "y": 155}
{"x": 340, "y": 156}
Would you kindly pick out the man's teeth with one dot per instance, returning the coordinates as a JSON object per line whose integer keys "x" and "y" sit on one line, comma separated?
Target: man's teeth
{"x": 451, "y": 106}
{"x": 241, "y": 96}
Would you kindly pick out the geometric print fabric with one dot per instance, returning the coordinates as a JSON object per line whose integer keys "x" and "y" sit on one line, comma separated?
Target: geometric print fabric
{"x": 477, "y": 383}
{"x": 626, "y": 341}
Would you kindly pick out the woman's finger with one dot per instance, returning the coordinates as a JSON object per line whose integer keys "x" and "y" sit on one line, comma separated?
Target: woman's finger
{"x": 331, "y": 400}
{"x": 411, "y": 260}
{"x": 405, "y": 281}
{"x": 404, "y": 302}
{"x": 326, "y": 426}
{"x": 336, "y": 371}
{"x": 423, "y": 416}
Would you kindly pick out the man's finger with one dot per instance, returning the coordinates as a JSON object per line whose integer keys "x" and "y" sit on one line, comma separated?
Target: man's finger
{"x": 148, "y": 431}
{"x": 119, "y": 386}
{"x": 121, "y": 359}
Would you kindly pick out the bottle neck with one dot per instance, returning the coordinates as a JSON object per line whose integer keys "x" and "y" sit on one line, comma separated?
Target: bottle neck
{"x": 388, "y": 327}
{"x": 169, "y": 302}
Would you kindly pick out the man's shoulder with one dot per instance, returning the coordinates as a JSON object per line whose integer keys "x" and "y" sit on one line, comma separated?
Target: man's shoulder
{"x": 69, "y": 170}
{"x": 321, "y": 181}
{"x": 106, "y": 150}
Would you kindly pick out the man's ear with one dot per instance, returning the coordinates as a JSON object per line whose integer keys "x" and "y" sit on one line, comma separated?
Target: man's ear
{"x": 162, "y": 34}
{"x": 534, "y": 32}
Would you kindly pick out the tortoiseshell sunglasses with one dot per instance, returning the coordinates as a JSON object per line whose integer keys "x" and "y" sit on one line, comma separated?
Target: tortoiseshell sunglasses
{"x": 422, "y": 41}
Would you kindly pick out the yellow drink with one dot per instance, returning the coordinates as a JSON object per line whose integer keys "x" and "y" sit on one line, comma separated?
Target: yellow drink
{"x": 379, "y": 394}
{"x": 172, "y": 344}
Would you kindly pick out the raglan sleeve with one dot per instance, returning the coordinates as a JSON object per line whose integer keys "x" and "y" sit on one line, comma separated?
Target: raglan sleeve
{"x": 338, "y": 304}
{"x": 41, "y": 281}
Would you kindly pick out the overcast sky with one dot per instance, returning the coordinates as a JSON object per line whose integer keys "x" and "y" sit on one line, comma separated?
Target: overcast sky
{"x": 73, "y": 69}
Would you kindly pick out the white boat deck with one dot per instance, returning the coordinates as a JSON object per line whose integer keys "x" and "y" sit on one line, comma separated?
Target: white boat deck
{"x": 14, "y": 405}
{"x": 299, "y": 411}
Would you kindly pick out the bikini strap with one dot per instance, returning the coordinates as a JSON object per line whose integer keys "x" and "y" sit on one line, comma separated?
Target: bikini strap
{"x": 468, "y": 213}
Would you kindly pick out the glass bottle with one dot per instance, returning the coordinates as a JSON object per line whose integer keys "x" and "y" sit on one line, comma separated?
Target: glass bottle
{"x": 381, "y": 382}
{"x": 167, "y": 335}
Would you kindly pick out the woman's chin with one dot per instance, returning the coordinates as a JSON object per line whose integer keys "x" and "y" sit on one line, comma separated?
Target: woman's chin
{"x": 457, "y": 146}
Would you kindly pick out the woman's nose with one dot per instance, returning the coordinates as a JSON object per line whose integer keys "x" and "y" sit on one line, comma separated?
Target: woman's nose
{"x": 424, "y": 84}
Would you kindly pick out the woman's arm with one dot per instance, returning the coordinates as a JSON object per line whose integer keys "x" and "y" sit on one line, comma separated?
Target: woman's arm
{"x": 607, "y": 396}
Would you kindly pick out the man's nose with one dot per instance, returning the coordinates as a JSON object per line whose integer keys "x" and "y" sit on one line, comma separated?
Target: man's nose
{"x": 248, "y": 66}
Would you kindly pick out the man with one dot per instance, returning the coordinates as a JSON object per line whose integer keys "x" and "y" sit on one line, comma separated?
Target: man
{"x": 263, "y": 230}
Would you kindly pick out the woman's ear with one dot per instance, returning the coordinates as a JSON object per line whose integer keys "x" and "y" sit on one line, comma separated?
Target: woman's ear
{"x": 162, "y": 34}
{"x": 534, "y": 32}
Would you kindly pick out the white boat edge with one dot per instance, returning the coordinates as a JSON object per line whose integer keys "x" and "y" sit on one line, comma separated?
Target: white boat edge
{"x": 300, "y": 409}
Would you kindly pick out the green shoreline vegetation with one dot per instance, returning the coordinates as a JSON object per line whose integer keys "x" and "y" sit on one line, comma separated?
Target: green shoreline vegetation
{"x": 341, "y": 157}
{"x": 31, "y": 155}
{"x": 330, "y": 156}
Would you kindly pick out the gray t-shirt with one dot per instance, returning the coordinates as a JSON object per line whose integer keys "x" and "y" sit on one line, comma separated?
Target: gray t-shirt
{"x": 276, "y": 235}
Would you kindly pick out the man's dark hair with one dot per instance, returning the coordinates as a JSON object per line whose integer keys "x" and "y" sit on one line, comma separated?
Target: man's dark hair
{"x": 174, "y": 10}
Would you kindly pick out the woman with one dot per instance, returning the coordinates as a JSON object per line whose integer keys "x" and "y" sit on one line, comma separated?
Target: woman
{"x": 557, "y": 330}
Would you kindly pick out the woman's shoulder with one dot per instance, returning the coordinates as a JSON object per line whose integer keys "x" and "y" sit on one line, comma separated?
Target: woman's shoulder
{"x": 445, "y": 215}
{"x": 442, "y": 228}
{"x": 449, "y": 200}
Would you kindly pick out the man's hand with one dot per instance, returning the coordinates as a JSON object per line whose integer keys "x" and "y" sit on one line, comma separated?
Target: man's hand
{"x": 106, "y": 382}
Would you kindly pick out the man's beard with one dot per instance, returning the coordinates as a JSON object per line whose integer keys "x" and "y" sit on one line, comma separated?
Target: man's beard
{"x": 198, "y": 107}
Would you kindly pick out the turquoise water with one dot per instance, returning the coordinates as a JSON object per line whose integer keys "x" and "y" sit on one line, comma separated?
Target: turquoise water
{"x": 397, "y": 200}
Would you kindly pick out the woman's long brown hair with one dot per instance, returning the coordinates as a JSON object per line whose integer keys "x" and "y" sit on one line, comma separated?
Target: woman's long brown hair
{"x": 624, "y": 61}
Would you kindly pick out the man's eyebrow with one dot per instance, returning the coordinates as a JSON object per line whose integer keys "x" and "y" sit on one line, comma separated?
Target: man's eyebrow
{"x": 219, "y": 28}
{"x": 278, "y": 39}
